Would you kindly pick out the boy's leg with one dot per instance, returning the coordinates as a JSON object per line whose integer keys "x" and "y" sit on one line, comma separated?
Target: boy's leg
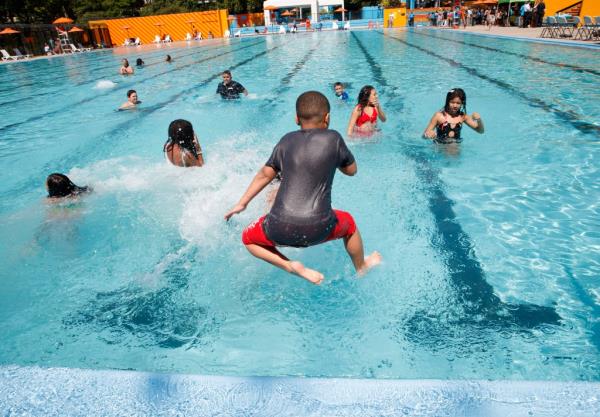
{"x": 276, "y": 258}
{"x": 259, "y": 245}
{"x": 346, "y": 228}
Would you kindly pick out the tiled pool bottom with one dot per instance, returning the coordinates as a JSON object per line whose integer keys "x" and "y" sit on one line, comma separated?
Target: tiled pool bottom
{"x": 77, "y": 392}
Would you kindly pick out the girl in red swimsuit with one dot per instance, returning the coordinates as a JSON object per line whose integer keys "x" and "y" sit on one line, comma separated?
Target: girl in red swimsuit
{"x": 363, "y": 121}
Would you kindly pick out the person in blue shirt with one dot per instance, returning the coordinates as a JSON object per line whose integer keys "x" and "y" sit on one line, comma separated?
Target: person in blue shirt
{"x": 339, "y": 91}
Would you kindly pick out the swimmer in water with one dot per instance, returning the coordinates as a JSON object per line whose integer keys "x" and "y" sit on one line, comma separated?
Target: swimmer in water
{"x": 445, "y": 125}
{"x": 363, "y": 121}
{"x": 60, "y": 186}
{"x": 139, "y": 62}
{"x": 183, "y": 147}
{"x": 302, "y": 215}
{"x": 168, "y": 59}
{"x": 229, "y": 89}
{"x": 132, "y": 101}
{"x": 339, "y": 91}
{"x": 126, "y": 69}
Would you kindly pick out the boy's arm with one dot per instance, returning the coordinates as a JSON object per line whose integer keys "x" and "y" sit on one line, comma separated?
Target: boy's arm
{"x": 263, "y": 177}
{"x": 350, "y": 170}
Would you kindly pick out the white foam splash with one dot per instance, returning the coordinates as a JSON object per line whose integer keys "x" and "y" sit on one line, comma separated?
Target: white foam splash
{"x": 104, "y": 85}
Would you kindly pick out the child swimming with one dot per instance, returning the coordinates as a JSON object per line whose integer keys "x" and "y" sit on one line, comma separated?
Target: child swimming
{"x": 302, "y": 215}
{"x": 445, "y": 125}
{"x": 363, "y": 121}
{"x": 182, "y": 148}
{"x": 60, "y": 186}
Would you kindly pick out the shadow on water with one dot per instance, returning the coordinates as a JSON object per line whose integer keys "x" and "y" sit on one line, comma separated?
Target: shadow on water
{"x": 475, "y": 298}
{"x": 158, "y": 317}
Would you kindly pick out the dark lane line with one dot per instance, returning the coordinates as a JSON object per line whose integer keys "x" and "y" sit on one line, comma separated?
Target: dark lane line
{"x": 454, "y": 244}
{"x": 80, "y": 83}
{"x": 88, "y": 99}
{"x": 531, "y": 58}
{"x": 569, "y": 116}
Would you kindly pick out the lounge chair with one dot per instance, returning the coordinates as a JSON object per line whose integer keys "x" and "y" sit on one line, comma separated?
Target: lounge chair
{"x": 548, "y": 25}
{"x": 565, "y": 29}
{"x": 19, "y": 54}
{"x": 74, "y": 48}
{"x": 6, "y": 56}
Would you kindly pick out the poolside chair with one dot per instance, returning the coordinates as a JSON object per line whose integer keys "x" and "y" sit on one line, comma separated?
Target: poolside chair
{"x": 19, "y": 54}
{"x": 584, "y": 32}
{"x": 156, "y": 39}
{"x": 74, "y": 48}
{"x": 565, "y": 28}
{"x": 547, "y": 27}
{"x": 6, "y": 56}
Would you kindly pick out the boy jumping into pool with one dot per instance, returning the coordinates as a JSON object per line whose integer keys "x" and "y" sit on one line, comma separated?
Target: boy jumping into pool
{"x": 301, "y": 215}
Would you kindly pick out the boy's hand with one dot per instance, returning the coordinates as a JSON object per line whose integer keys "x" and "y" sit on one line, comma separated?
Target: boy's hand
{"x": 238, "y": 208}
{"x": 430, "y": 134}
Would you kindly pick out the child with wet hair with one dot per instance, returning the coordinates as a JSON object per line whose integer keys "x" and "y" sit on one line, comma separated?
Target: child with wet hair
{"x": 301, "y": 214}
{"x": 446, "y": 124}
{"x": 60, "y": 186}
{"x": 182, "y": 148}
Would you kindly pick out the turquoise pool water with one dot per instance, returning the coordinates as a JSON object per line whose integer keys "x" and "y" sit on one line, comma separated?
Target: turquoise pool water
{"x": 491, "y": 251}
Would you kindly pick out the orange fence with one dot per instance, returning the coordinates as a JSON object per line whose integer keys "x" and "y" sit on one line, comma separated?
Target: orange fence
{"x": 177, "y": 26}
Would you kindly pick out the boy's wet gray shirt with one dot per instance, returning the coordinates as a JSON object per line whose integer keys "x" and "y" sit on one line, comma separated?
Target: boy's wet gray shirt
{"x": 307, "y": 160}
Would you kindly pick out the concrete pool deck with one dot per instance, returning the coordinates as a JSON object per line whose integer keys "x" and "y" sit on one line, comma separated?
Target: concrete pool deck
{"x": 532, "y": 34}
{"x": 34, "y": 391}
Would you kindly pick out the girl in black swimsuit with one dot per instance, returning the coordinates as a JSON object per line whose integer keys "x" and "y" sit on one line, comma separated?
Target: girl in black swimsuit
{"x": 445, "y": 125}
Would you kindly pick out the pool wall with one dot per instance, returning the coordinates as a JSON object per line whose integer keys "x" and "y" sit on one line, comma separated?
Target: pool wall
{"x": 36, "y": 391}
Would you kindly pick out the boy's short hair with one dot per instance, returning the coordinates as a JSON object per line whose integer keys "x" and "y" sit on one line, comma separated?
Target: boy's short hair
{"x": 312, "y": 106}
{"x": 130, "y": 92}
{"x": 338, "y": 84}
{"x": 226, "y": 72}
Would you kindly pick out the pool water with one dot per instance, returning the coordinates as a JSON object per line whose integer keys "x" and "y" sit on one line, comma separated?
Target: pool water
{"x": 491, "y": 249}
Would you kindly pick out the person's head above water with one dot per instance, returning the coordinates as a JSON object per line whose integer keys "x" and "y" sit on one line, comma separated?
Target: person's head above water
{"x": 132, "y": 96}
{"x": 366, "y": 95}
{"x": 125, "y": 63}
{"x": 312, "y": 110}
{"x": 456, "y": 102}
{"x": 339, "y": 88}
{"x": 226, "y": 75}
{"x": 181, "y": 133}
{"x": 168, "y": 59}
{"x": 59, "y": 185}
{"x": 139, "y": 62}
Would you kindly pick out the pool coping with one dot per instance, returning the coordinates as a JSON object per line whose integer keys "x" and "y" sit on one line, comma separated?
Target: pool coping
{"x": 39, "y": 391}
{"x": 575, "y": 44}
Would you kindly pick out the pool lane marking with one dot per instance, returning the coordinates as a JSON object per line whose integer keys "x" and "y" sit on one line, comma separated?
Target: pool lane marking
{"x": 80, "y": 83}
{"x": 575, "y": 68}
{"x": 88, "y": 99}
{"x": 465, "y": 270}
{"x": 569, "y": 116}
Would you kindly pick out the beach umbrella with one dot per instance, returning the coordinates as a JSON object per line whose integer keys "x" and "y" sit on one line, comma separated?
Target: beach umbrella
{"x": 62, "y": 21}
{"x": 76, "y": 29}
{"x": 271, "y": 8}
{"x": 342, "y": 11}
{"x": 287, "y": 13}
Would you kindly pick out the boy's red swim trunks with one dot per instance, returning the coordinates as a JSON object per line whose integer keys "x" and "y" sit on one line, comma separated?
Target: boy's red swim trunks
{"x": 255, "y": 234}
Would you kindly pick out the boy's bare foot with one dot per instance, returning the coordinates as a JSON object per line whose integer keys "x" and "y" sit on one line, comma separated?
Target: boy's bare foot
{"x": 370, "y": 261}
{"x": 308, "y": 274}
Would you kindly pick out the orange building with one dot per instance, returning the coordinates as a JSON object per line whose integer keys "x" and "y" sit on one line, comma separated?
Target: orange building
{"x": 177, "y": 26}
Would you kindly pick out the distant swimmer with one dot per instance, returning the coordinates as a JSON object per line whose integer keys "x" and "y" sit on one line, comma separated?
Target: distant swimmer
{"x": 132, "y": 100}
{"x": 126, "y": 69}
{"x": 363, "y": 121}
{"x": 168, "y": 59}
{"x": 60, "y": 186}
{"x": 139, "y": 63}
{"x": 445, "y": 125}
{"x": 229, "y": 89}
{"x": 302, "y": 215}
{"x": 339, "y": 91}
{"x": 183, "y": 147}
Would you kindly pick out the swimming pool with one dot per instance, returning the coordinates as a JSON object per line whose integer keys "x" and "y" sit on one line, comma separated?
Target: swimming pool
{"x": 491, "y": 253}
